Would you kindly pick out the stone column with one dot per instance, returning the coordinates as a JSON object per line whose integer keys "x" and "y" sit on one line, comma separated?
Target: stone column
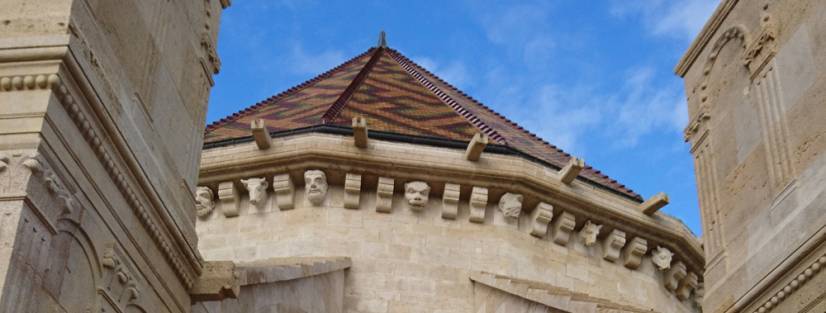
{"x": 102, "y": 108}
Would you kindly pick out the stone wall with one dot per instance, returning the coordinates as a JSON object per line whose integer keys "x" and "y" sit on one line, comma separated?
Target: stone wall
{"x": 756, "y": 83}
{"x": 414, "y": 243}
{"x": 101, "y": 112}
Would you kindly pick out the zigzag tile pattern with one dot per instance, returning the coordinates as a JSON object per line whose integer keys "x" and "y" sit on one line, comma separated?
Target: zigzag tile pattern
{"x": 395, "y": 95}
{"x": 394, "y": 102}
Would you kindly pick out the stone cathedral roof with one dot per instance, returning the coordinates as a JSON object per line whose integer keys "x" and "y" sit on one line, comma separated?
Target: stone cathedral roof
{"x": 397, "y": 96}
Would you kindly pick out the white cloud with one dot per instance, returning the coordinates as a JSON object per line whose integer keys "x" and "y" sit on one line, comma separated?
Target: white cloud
{"x": 303, "y": 62}
{"x": 681, "y": 19}
{"x": 454, "y": 72}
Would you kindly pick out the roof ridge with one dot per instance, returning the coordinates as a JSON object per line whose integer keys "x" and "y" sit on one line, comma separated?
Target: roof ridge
{"x": 276, "y": 97}
{"x": 404, "y": 59}
{"x": 445, "y": 98}
{"x": 334, "y": 110}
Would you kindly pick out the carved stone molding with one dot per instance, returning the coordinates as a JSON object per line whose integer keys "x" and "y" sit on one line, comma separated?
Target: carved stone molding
{"x": 634, "y": 252}
{"x": 28, "y": 82}
{"x": 478, "y": 204}
{"x": 120, "y": 284}
{"x": 795, "y": 284}
{"x": 284, "y": 190}
{"x": 563, "y": 226}
{"x": 352, "y": 191}
{"x": 384, "y": 195}
{"x": 185, "y": 264}
{"x": 540, "y": 218}
{"x": 764, "y": 46}
{"x": 450, "y": 201}
{"x": 612, "y": 245}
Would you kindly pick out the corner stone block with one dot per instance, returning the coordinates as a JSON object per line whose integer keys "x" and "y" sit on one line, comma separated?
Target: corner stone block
{"x": 450, "y": 201}
{"x": 478, "y": 204}
{"x": 384, "y": 195}
{"x": 612, "y": 246}
{"x": 284, "y": 191}
{"x": 562, "y": 228}
{"x": 230, "y": 200}
{"x": 352, "y": 191}
{"x": 634, "y": 252}
{"x": 674, "y": 276}
{"x": 540, "y": 218}
{"x": 687, "y": 285}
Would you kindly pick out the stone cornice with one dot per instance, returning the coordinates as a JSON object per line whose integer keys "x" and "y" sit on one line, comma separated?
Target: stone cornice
{"x": 704, "y": 37}
{"x": 495, "y": 171}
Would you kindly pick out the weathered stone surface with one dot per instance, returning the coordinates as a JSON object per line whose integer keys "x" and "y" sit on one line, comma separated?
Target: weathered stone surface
{"x": 218, "y": 281}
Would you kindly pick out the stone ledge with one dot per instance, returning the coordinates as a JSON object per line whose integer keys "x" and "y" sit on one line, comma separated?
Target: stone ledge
{"x": 284, "y": 269}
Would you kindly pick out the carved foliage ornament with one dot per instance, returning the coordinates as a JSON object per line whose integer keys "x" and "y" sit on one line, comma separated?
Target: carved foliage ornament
{"x": 417, "y": 194}
{"x": 315, "y": 186}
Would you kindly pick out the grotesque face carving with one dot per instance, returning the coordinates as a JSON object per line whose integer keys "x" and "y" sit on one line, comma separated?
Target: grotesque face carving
{"x": 589, "y": 233}
{"x": 203, "y": 201}
{"x": 315, "y": 185}
{"x": 417, "y": 193}
{"x": 511, "y": 205}
{"x": 662, "y": 258}
{"x": 257, "y": 187}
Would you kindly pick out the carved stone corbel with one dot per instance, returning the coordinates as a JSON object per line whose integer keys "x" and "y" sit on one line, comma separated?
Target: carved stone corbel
{"x": 204, "y": 201}
{"x": 612, "y": 246}
{"x": 661, "y": 257}
{"x": 571, "y": 170}
{"x": 674, "y": 276}
{"x": 284, "y": 190}
{"x": 450, "y": 201}
{"x": 260, "y": 134}
{"x": 540, "y": 218}
{"x": 634, "y": 252}
{"x": 360, "y": 132}
{"x": 352, "y": 191}
{"x": 256, "y": 190}
{"x": 687, "y": 285}
{"x": 384, "y": 195}
{"x": 230, "y": 200}
{"x": 562, "y": 228}
{"x": 478, "y": 204}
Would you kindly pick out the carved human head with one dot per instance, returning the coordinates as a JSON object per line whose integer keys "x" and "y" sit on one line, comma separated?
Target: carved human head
{"x": 257, "y": 187}
{"x": 589, "y": 233}
{"x": 417, "y": 194}
{"x": 510, "y": 205}
{"x": 662, "y": 258}
{"x": 203, "y": 201}
{"x": 315, "y": 186}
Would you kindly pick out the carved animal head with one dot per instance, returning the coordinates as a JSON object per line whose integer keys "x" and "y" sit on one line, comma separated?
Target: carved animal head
{"x": 511, "y": 205}
{"x": 417, "y": 194}
{"x": 662, "y": 258}
{"x": 315, "y": 186}
{"x": 589, "y": 233}
{"x": 257, "y": 187}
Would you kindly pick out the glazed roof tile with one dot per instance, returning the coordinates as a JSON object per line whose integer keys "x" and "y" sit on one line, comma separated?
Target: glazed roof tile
{"x": 396, "y": 95}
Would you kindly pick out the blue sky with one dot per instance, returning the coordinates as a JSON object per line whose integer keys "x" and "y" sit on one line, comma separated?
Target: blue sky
{"x": 593, "y": 77}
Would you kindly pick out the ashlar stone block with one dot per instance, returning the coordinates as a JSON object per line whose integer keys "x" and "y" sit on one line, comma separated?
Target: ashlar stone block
{"x": 562, "y": 228}
{"x": 450, "y": 201}
{"x": 634, "y": 252}
{"x": 284, "y": 191}
{"x": 478, "y": 204}
{"x": 230, "y": 200}
{"x": 352, "y": 191}
{"x": 384, "y": 195}
{"x": 540, "y": 218}
{"x": 612, "y": 246}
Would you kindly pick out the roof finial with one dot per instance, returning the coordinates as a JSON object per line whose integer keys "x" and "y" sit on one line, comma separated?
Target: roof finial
{"x": 382, "y": 40}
